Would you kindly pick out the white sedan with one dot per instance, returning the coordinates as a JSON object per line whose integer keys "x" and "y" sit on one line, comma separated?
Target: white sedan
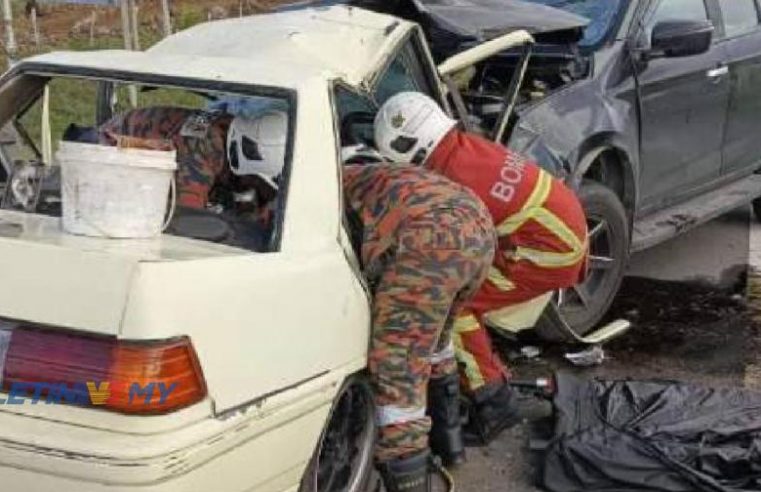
{"x": 228, "y": 368}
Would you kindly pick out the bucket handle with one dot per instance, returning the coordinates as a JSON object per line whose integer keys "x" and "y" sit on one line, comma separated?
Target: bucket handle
{"x": 172, "y": 204}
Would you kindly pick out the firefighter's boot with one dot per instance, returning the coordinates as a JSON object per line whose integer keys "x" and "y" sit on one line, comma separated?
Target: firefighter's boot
{"x": 493, "y": 410}
{"x": 444, "y": 410}
{"x": 408, "y": 474}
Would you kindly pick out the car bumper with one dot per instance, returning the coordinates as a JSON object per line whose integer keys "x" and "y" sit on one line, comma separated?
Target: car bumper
{"x": 263, "y": 447}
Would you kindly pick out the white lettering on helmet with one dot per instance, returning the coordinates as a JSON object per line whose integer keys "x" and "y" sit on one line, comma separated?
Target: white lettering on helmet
{"x": 510, "y": 175}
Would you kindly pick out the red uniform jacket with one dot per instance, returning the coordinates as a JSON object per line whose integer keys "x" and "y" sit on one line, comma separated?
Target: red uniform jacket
{"x": 540, "y": 222}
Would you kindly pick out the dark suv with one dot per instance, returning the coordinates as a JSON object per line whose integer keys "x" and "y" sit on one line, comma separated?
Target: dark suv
{"x": 652, "y": 108}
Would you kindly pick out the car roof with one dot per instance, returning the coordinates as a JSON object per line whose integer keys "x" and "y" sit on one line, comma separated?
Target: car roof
{"x": 279, "y": 49}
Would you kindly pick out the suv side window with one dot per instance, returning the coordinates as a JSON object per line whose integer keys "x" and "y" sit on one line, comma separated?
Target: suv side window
{"x": 740, "y": 16}
{"x": 691, "y": 10}
{"x": 694, "y": 10}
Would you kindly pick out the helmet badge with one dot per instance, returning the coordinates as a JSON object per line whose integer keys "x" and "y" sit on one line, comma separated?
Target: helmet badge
{"x": 397, "y": 121}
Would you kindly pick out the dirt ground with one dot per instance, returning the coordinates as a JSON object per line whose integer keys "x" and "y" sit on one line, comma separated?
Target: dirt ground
{"x": 71, "y": 26}
{"x": 680, "y": 332}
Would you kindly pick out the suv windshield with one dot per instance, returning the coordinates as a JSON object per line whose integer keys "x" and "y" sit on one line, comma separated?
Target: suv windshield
{"x": 602, "y": 15}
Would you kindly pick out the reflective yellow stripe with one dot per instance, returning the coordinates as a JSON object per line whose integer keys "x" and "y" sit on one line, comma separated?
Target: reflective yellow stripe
{"x": 533, "y": 210}
{"x": 548, "y": 259}
{"x": 541, "y": 191}
{"x": 500, "y": 281}
{"x": 538, "y": 196}
{"x": 515, "y": 222}
{"x": 551, "y": 222}
{"x": 470, "y": 366}
{"x": 464, "y": 324}
{"x": 551, "y": 259}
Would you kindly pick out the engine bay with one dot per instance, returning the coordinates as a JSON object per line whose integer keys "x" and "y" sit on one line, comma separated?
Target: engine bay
{"x": 485, "y": 91}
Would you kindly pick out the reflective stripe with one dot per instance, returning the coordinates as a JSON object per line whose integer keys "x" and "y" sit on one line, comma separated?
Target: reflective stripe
{"x": 469, "y": 364}
{"x": 500, "y": 281}
{"x": 464, "y": 324}
{"x": 541, "y": 191}
{"x": 539, "y": 195}
{"x": 533, "y": 210}
{"x": 390, "y": 415}
{"x": 548, "y": 259}
{"x": 553, "y": 259}
{"x": 447, "y": 353}
{"x": 559, "y": 228}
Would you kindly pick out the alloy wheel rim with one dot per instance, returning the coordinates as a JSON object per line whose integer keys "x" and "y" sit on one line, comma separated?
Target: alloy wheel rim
{"x": 579, "y": 298}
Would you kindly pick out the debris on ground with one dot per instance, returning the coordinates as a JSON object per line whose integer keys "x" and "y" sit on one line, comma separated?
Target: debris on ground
{"x": 531, "y": 352}
{"x": 592, "y": 356}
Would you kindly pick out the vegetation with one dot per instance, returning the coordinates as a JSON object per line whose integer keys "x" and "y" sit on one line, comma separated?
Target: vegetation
{"x": 74, "y": 101}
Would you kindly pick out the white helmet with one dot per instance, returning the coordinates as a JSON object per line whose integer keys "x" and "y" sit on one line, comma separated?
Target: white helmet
{"x": 360, "y": 154}
{"x": 257, "y": 146}
{"x": 409, "y": 126}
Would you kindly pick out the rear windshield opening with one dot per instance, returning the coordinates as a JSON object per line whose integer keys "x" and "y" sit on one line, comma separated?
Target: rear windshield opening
{"x": 232, "y": 149}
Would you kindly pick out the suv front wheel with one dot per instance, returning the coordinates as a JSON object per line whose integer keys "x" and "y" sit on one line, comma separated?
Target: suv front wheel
{"x": 584, "y": 305}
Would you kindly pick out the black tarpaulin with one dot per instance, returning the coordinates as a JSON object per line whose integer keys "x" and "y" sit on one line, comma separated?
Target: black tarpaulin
{"x": 653, "y": 435}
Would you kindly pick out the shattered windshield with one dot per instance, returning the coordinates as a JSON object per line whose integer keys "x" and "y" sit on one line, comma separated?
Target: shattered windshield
{"x": 602, "y": 15}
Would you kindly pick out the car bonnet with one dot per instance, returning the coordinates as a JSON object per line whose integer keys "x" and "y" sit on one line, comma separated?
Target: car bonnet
{"x": 487, "y": 19}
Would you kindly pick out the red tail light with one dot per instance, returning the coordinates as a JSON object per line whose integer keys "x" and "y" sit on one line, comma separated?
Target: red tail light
{"x": 123, "y": 376}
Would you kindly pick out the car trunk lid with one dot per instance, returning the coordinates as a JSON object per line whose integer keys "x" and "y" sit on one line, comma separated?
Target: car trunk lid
{"x": 57, "y": 279}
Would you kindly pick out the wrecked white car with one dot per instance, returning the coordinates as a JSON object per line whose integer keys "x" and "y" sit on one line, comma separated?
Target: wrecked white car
{"x": 232, "y": 364}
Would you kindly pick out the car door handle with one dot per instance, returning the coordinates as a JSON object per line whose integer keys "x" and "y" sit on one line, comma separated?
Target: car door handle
{"x": 718, "y": 72}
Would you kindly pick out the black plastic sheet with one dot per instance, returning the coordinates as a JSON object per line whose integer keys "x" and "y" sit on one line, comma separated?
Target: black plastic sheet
{"x": 653, "y": 435}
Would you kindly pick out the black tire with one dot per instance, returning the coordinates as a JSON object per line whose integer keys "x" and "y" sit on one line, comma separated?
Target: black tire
{"x": 584, "y": 306}
{"x": 343, "y": 460}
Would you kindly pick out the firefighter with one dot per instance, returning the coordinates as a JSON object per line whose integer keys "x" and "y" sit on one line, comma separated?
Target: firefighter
{"x": 216, "y": 152}
{"x": 541, "y": 229}
{"x": 426, "y": 244}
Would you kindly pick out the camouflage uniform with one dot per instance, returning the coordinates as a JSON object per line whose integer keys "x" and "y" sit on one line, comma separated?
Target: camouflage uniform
{"x": 426, "y": 247}
{"x": 199, "y": 137}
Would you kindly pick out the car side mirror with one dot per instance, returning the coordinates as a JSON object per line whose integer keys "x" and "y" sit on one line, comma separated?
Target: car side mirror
{"x": 677, "y": 38}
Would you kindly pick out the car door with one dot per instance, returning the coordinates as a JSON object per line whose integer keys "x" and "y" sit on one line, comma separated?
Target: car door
{"x": 742, "y": 43}
{"x": 683, "y": 103}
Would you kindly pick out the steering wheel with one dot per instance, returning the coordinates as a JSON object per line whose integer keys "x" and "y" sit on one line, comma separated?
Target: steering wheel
{"x": 357, "y": 128}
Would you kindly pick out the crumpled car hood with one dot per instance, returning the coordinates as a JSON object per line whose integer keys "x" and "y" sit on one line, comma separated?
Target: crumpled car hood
{"x": 486, "y": 19}
{"x": 478, "y": 20}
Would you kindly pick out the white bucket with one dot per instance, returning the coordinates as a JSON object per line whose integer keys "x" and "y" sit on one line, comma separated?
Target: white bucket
{"x": 113, "y": 192}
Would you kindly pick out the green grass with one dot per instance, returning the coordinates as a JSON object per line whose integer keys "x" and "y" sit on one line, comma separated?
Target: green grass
{"x": 73, "y": 100}
{"x": 189, "y": 17}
